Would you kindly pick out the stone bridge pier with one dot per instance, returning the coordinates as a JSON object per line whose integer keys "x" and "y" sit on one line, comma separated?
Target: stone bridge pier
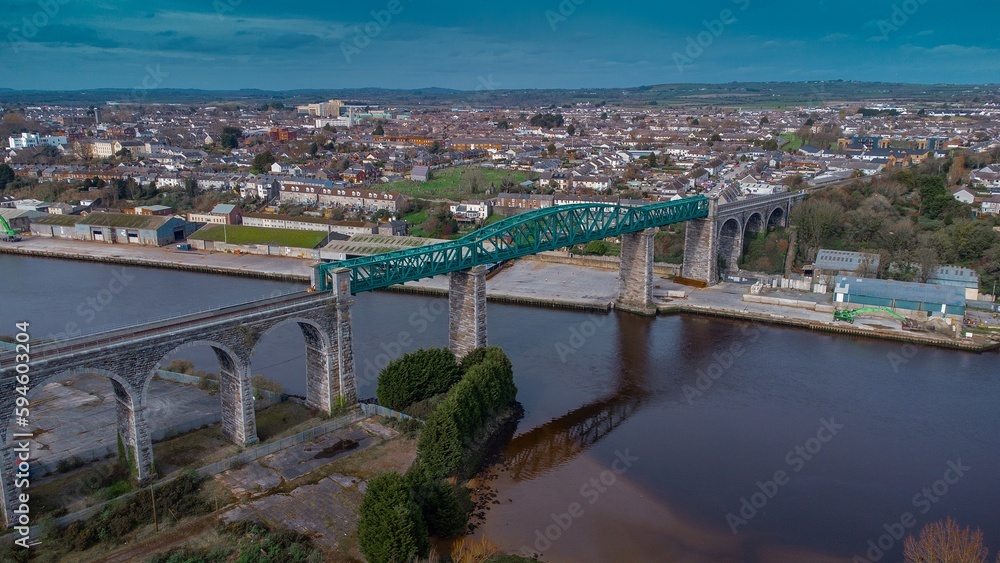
{"x": 130, "y": 358}
{"x": 635, "y": 275}
{"x": 716, "y": 243}
{"x": 467, "y": 310}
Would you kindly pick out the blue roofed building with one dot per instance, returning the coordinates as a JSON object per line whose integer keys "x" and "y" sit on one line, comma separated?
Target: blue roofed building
{"x": 906, "y": 298}
{"x": 957, "y": 276}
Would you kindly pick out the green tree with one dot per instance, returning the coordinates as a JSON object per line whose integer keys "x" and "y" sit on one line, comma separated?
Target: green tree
{"x": 230, "y": 138}
{"x": 417, "y": 376}
{"x": 547, "y": 120}
{"x": 819, "y": 222}
{"x": 934, "y": 197}
{"x": 262, "y": 162}
{"x": 391, "y": 526}
{"x": 440, "y": 445}
{"x": 379, "y": 130}
{"x": 313, "y": 149}
{"x": 445, "y": 507}
{"x": 191, "y": 188}
{"x": 6, "y": 175}
{"x": 597, "y": 248}
{"x": 570, "y": 130}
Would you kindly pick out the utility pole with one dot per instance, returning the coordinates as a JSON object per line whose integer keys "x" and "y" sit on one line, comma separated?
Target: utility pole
{"x": 156, "y": 525}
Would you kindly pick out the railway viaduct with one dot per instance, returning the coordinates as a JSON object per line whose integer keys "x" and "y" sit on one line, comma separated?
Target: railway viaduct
{"x": 130, "y": 357}
{"x": 714, "y": 244}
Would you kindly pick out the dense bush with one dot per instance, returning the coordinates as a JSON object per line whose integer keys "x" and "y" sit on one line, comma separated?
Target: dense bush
{"x": 445, "y": 507}
{"x": 422, "y": 409}
{"x": 441, "y": 444}
{"x": 249, "y": 541}
{"x": 176, "y": 499}
{"x": 391, "y": 526}
{"x": 417, "y": 376}
{"x": 486, "y": 388}
{"x": 475, "y": 357}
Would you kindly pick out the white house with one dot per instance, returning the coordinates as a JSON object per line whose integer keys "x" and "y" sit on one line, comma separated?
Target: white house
{"x": 963, "y": 194}
{"x": 28, "y": 140}
{"x": 991, "y": 206}
{"x": 471, "y": 210}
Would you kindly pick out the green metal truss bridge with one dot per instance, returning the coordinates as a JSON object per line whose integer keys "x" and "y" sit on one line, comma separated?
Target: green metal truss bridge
{"x": 521, "y": 235}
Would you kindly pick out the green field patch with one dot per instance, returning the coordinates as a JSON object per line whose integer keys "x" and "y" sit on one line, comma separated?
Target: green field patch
{"x": 236, "y": 234}
{"x": 447, "y": 183}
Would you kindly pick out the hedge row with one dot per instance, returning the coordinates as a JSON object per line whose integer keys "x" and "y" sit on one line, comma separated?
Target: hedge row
{"x": 399, "y": 513}
{"x": 486, "y": 388}
{"x": 417, "y": 376}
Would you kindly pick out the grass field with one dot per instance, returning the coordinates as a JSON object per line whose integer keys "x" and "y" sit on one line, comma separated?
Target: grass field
{"x": 235, "y": 234}
{"x": 794, "y": 142}
{"x": 446, "y": 183}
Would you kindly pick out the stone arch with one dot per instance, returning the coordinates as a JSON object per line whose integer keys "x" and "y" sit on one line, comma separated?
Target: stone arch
{"x": 322, "y": 387}
{"x": 239, "y": 422}
{"x": 753, "y": 226}
{"x": 130, "y": 428}
{"x": 730, "y": 243}
{"x": 777, "y": 217}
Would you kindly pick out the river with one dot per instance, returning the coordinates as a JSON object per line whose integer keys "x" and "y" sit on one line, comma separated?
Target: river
{"x": 667, "y": 439}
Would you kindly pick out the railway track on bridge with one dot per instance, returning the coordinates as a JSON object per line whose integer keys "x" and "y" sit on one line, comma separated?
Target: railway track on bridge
{"x": 50, "y": 350}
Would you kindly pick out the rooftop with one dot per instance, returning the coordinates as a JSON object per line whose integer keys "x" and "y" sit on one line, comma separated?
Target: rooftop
{"x": 903, "y": 291}
{"x": 124, "y": 221}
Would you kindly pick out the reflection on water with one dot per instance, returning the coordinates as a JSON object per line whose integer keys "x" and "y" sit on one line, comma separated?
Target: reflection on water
{"x": 546, "y": 447}
{"x": 624, "y": 390}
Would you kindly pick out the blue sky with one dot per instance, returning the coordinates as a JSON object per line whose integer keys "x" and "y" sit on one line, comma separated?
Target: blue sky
{"x": 231, "y": 44}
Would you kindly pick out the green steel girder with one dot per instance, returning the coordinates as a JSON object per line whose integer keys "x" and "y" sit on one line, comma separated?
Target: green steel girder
{"x": 521, "y": 235}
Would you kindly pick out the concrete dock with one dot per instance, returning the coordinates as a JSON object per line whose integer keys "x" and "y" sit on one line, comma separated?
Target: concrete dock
{"x": 529, "y": 281}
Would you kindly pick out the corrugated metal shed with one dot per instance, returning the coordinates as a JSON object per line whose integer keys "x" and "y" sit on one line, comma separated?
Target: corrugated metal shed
{"x": 58, "y": 220}
{"x": 843, "y": 260}
{"x": 124, "y": 221}
{"x": 904, "y": 295}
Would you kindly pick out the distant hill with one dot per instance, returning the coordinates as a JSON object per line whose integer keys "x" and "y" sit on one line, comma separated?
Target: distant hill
{"x": 734, "y": 94}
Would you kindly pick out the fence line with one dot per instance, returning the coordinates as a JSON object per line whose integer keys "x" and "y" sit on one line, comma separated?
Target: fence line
{"x": 372, "y": 410}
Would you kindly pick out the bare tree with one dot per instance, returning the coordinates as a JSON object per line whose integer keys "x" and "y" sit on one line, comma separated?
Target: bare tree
{"x": 945, "y": 541}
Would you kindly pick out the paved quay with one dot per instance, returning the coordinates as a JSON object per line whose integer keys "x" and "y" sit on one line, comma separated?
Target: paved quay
{"x": 275, "y": 267}
{"x": 526, "y": 281}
